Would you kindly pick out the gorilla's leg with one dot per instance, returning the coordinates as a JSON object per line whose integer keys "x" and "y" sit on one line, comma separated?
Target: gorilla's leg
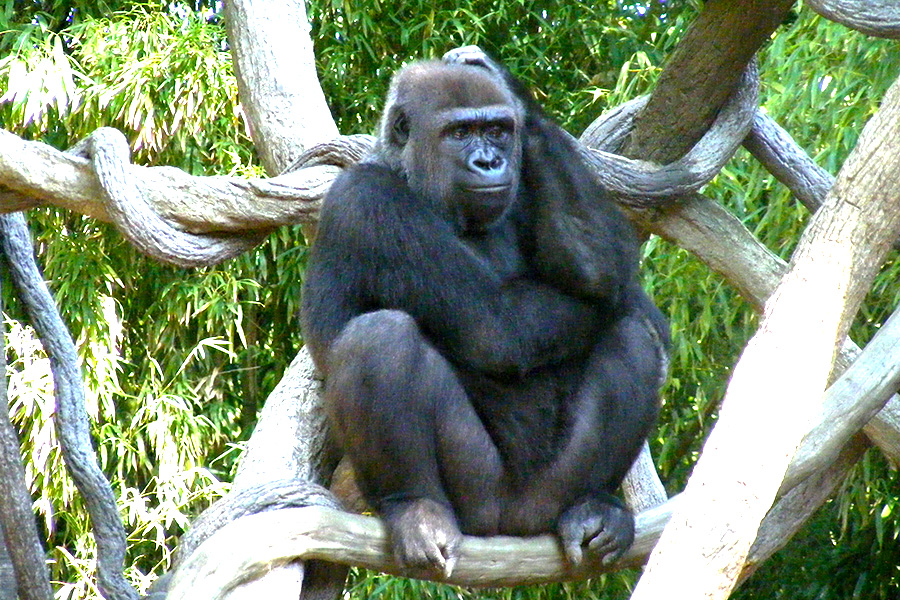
{"x": 415, "y": 443}
{"x": 609, "y": 418}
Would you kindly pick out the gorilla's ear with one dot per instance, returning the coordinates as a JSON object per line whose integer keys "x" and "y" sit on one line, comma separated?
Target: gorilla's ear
{"x": 399, "y": 129}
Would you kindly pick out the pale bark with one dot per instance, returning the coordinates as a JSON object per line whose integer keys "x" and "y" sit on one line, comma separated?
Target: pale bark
{"x": 276, "y": 73}
{"x": 287, "y": 113}
{"x": 34, "y": 174}
{"x": 642, "y": 487}
{"x": 704, "y": 547}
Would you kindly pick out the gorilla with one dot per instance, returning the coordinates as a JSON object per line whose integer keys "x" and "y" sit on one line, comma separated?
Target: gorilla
{"x": 492, "y": 364}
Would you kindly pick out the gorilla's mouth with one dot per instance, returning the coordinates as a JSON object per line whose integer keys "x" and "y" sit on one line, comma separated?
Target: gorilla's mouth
{"x": 488, "y": 189}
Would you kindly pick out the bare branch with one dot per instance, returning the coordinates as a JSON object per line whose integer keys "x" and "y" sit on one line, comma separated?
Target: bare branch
{"x": 779, "y": 153}
{"x": 276, "y": 73}
{"x": 809, "y": 314}
{"x": 248, "y": 547}
{"x": 36, "y": 171}
{"x": 72, "y": 425}
{"x": 108, "y": 152}
{"x": 19, "y": 537}
{"x": 879, "y": 18}
{"x": 701, "y": 74}
{"x": 645, "y": 184}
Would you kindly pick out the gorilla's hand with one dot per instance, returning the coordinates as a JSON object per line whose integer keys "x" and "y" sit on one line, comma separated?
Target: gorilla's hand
{"x": 424, "y": 535}
{"x": 471, "y": 55}
{"x": 602, "y": 530}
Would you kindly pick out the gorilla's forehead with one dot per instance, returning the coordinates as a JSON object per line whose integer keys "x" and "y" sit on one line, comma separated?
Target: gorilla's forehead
{"x": 435, "y": 86}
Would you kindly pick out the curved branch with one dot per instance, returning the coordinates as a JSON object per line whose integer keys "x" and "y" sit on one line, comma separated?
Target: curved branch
{"x": 878, "y": 18}
{"x": 342, "y": 151}
{"x": 72, "y": 425}
{"x": 18, "y": 530}
{"x": 109, "y": 154}
{"x": 644, "y": 184}
{"x": 33, "y": 174}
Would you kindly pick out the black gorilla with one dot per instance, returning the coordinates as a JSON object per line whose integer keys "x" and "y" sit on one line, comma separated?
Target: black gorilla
{"x": 492, "y": 364}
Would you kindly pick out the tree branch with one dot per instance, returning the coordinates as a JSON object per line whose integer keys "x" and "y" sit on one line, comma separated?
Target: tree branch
{"x": 72, "y": 425}
{"x": 275, "y": 67}
{"x": 33, "y": 174}
{"x": 20, "y": 539}
{"x": 879, "y": 18}
{"x": 299, "y": 534}
{"x": 731, "y": 490}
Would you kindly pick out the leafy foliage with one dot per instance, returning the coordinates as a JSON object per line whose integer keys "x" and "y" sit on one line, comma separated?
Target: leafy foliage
{"x": 177, "y": 361}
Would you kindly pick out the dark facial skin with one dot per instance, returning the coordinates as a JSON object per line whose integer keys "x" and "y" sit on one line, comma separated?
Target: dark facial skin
{"x": 459, "y": 145}
{"x": 475, "y": 146}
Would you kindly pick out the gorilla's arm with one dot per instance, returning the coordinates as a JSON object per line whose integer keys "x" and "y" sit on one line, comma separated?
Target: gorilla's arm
{"x": 378, "y": 247}
{"x": 577, "y": 238}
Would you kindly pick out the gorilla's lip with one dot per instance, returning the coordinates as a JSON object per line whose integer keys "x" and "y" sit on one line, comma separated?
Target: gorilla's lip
{"x": 488, "y": 189}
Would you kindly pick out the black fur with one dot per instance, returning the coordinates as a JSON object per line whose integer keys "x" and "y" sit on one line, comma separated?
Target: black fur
{"x": 492, "y": 363}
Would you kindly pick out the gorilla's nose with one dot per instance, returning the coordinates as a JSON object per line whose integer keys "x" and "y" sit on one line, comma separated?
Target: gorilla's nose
{"x": 487, "y": 164}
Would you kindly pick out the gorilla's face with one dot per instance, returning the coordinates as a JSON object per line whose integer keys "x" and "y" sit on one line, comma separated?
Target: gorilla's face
{"x": 457, "y": 133}
{"x": 476, "y": 147}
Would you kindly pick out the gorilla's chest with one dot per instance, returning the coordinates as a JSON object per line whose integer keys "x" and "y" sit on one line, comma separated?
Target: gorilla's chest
{"x": 498, "y": 249}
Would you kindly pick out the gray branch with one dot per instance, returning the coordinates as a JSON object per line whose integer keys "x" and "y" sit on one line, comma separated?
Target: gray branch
{"x": 643, "y": 184}
{"x": 878, "y": 18}
{"x": 20, "y": 541}
{"x": 109, "y": 154}
{"x": 72, "y": 425}
{"x": 788, "y": 162}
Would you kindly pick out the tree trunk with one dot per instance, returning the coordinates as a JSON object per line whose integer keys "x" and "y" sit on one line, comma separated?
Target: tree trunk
{"x": 276, "y": 73}
{"x": 703, "y": 549}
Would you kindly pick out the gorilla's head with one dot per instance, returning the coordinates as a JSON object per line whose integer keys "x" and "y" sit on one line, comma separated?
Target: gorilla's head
{"x": 454, "y": 131}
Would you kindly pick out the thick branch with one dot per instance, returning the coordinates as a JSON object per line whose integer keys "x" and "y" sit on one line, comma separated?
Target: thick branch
{"x": 275, "y": 68}
{"x": 195, "y": 204}
{"x": 809, "y": 315}
{"x": 701, "y": 74}
{"x": 646, "y": 184}
{"x": 108, "y": 152}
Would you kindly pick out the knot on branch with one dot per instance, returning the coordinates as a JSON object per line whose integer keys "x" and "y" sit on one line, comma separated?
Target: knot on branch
{"x": 284, "y": 493}
{"x": 107, "y": 149}
{"x": 644, "y": 184}
{"x": 343, "y": 151}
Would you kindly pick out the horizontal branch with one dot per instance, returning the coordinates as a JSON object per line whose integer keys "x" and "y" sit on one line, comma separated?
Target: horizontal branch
{"x": 251, "y": 545}
{"x": 34, "y": 174}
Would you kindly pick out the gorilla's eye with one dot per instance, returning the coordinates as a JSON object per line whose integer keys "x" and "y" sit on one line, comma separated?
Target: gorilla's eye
{"x": 460, "y": 132}
{"x": 495, "y": 132}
